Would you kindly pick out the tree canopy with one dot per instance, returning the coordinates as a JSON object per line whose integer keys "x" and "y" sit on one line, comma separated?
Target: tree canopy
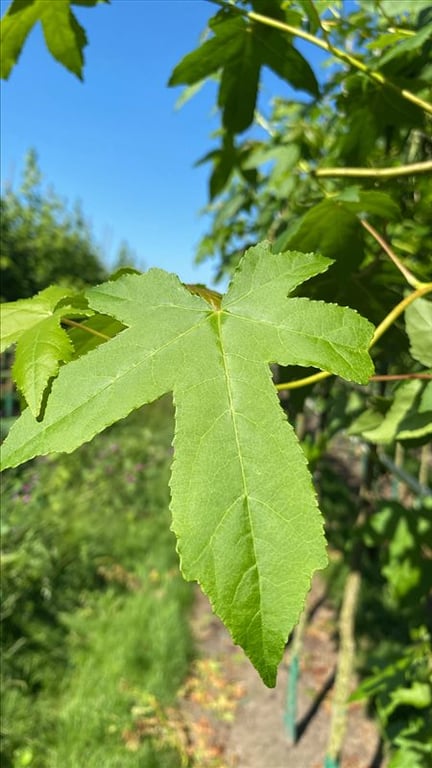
{"x": 42, "y": 242}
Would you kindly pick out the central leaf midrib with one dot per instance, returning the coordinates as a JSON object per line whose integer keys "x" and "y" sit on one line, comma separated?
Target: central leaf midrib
{"x": 239, "y": 452}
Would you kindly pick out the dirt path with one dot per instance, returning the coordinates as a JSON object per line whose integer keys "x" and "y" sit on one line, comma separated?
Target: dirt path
{"x": 234, "y": 721}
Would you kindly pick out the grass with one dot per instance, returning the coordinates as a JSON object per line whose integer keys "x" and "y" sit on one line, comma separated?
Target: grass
{"x": 94, "y": 608}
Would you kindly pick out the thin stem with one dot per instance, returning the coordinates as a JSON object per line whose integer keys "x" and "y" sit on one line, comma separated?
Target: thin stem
{"x": 378, "y": 77}
{"x": 401, "y": 376}
{"x": 398, "y": 309}
{"x": 379, "y": 331}
{"x": 409, "y": 277}
{"x": 73, "y": 324}
{"x": 383, "y": 173}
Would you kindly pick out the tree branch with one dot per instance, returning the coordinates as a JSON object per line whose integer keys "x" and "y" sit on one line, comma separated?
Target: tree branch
{"x": 375, "y": 173}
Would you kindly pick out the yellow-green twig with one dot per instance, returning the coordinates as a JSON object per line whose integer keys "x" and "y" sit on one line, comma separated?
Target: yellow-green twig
{"x": 413, "y": 169}
{"x": 86, "y": 328}
{"x": 409, "y": 277}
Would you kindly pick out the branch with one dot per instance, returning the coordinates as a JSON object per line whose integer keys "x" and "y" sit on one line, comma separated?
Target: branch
{"x": 73, "y": 324}
{"x": 378, "y": 77}
{"x": 409, "y": 277}
{"x": 401, "y": 376}
{"x": 376, "y": 173}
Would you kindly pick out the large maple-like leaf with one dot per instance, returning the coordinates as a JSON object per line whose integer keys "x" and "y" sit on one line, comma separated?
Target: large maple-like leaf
{"x": 243, "y": 505}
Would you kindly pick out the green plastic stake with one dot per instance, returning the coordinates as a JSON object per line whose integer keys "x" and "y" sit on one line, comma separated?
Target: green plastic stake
{"x": 290, "y": 716}
{"x": 330, "y": 762}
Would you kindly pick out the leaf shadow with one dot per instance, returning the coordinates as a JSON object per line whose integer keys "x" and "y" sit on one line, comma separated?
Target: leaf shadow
{"x": 307, "y": 718}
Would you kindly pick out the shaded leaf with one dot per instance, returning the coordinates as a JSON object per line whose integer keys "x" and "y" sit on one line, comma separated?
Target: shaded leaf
{"x": 387, "y": 426}
{"x": 239, "y": 84}
{"x": 418, "y": 323}
{"x": 244, "y": 509}
{"x": 211, "y": 55}
{"x": 278, "y": 53}
{"x": 34, "y": 324}
{"x": 333, "y": 230}
{"x": 39, "y": 352}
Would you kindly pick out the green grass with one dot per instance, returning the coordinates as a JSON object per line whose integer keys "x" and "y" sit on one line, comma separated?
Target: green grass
{"x": 94, "y": 608}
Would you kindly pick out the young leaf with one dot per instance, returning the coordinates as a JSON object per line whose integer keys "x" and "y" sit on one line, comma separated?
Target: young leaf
{"x": 39, "y": 353}
{"x": 42, "y": 344}
{"x": 243, "y": 506}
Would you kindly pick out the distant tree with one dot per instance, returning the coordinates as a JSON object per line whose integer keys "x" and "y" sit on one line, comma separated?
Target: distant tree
{"x": 42, "y": 241}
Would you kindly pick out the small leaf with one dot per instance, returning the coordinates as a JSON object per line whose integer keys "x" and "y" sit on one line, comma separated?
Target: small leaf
{"x": 387, "y": 429}
{"x": 18, "y": 316}
{"x": 418, "y": 323}
{"x": 39, "y": 352}
{"x": 417, "y": 424}
{"x": 41, "y": 342}
{"x": 412, "y": 43}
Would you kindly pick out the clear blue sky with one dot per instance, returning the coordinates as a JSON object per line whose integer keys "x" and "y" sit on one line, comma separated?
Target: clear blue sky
{"x": 116, "y": 141}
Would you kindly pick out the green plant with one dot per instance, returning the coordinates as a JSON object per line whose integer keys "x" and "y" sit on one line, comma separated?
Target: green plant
{"x": 239, "y": 507}
{"x": 93, "y": 605}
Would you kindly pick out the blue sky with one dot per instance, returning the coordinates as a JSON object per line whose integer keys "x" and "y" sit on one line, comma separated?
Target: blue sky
{"x": 116, "y": 141}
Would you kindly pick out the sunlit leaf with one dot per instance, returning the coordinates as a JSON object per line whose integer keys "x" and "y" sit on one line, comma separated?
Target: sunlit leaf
{"x": 244, "y": 509}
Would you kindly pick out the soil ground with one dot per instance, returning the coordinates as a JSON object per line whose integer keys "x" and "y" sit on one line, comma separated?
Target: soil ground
{"x": 234, "y": 721}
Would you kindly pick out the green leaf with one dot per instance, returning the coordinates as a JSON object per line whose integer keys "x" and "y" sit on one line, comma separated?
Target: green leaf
{"x": 412, "y": 43}
{"x": 16, "y": 24}
{"x": 243, "y": 505}
{"x": 417, "y": 423}
{"x": 333, "y": 230}
{"x": 34, "y": 324}
{"x": 211, "y": 55}
{"x": 18, "y": 316}
{"x": 387, "y": 428}
{"x": 377, "y": 203}
{"x": 418, "y": 323}
{"x": 39, "y": 352}
{"x": 239, "y": 84}
{"x": 64, "y": 36}
{"x": 278, "y": 53}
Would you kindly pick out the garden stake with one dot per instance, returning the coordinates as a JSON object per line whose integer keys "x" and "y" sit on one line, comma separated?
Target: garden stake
{"x": 425, "y": 457}
{"x": 344, "y": 671}
{"x": 290, "y": 716}
{"x": 347, "y": 624}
